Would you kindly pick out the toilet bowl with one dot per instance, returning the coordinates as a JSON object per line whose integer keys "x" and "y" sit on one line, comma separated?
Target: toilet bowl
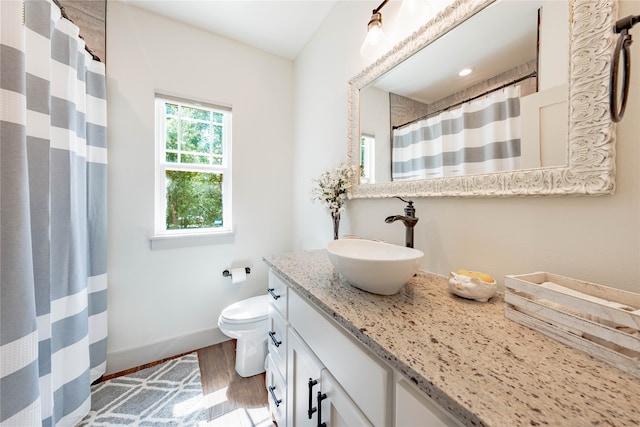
{"x": 246, "y": 321}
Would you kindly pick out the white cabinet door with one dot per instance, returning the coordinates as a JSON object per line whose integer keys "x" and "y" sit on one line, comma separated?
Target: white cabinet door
{"x": 360, "y": 374}
{"x": 304, "y": 381}
{"x": 336, "y": 408}
{"x": 413, "y": 409}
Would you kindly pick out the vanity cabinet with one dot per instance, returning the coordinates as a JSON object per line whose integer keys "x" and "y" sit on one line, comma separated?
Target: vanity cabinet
{"x": 316, "y": 397}
{"x": 330, "y": 378}
{"x": 360, "y": 374}
{"x": 276, "y": 363}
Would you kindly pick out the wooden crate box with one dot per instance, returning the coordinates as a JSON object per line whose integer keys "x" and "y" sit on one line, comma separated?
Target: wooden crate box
{"x": 601, "y": 321}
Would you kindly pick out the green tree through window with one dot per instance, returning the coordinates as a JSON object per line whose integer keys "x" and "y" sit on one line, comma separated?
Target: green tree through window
{"x": 193, "y": 165}
{"x": 194, "y": 200}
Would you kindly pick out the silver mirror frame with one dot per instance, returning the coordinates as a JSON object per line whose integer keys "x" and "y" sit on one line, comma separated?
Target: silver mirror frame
{"x": 591, "y": 132}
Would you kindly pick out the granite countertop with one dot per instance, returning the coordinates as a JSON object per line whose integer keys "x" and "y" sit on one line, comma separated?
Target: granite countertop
{"x": 482, "y": 367}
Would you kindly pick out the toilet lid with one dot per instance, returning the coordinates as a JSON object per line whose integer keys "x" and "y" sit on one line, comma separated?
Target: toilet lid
{"x": 248, "y": 310}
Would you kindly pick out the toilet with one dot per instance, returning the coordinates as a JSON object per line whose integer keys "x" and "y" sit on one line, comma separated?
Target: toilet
{"x": 246, "y": 321}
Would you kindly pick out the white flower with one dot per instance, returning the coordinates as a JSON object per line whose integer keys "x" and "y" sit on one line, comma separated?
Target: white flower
{"x": 333, "y": 188}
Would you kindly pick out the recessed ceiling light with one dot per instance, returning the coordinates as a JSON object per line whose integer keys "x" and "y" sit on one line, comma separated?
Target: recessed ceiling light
{"x": 465, "y": 72}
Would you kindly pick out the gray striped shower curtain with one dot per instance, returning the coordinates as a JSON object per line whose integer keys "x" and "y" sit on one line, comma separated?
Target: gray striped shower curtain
{"x": 481, "y": 136}
{"x": 53, "y": 170}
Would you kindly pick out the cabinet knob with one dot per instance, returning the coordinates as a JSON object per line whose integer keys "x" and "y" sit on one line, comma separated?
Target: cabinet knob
{"x": 273, "y": 294}
{"x": 321, "y": 396}
{"x": 311, "y": 410}
{"x": 277, "y": 343}
{"x": 273, "y": 395}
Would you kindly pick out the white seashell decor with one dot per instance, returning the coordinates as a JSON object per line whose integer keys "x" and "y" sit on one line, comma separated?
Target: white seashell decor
{"x": 471, "y": 287}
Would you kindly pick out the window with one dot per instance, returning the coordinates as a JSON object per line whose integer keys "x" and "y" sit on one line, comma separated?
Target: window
{"x": 193, "y": 167}
{"x": 367, "y": 158}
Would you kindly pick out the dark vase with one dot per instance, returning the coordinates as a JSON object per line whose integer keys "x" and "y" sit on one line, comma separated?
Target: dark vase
{"x": 336, "y": 224}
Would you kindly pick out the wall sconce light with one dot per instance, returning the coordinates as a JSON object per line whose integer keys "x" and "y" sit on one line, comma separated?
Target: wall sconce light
{"x": 414, "y": 13}
{"x": 376, "y": 41}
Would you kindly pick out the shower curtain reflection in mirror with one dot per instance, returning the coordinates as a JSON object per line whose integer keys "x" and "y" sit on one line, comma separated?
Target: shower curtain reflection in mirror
{"x": 53, "y": 169}
{"x": 481, "y": 136}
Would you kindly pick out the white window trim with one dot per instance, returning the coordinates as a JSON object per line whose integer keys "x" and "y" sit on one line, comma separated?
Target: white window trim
{"x": 162, "y": 238}
{"x": 193, "y": 239}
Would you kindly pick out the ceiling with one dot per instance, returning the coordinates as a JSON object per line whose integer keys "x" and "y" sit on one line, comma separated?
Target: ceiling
{"x": 432, "y": 73}
{"x": 280, "y": 27}
{"x": 283, "y": 27}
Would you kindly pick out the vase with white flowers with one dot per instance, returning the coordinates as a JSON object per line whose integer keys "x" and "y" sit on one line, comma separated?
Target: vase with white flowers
{"x": 332, "y": 189}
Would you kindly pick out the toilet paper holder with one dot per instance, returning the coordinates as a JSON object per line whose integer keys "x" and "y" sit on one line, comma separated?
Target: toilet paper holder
{"x": 227, "y": 273}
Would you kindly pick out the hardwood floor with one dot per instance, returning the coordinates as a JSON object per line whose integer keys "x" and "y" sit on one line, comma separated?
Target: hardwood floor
{"x": 231, "y": 400}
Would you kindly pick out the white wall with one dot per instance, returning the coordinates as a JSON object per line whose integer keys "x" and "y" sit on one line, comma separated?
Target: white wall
{"x": 164, "y": 302}
{"x": 296, "y": 114}
{"x": 591, "y": 238}
{"x": 554, "y": 46}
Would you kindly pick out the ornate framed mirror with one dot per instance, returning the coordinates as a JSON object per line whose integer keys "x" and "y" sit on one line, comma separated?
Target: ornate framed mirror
{"x": 587, "y": 141}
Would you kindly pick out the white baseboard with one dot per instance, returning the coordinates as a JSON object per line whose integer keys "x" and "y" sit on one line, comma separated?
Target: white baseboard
{"x": 132, "y": 358}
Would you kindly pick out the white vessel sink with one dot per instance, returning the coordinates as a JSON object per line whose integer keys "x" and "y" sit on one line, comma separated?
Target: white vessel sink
{"x": 377, "y": 267}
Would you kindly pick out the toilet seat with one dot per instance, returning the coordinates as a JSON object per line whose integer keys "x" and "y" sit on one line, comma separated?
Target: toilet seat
{"x": 252, "y": 309}
{"x": 247, "y": 321}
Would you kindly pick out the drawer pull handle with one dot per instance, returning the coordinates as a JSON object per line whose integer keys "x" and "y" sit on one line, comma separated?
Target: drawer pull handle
{"x": 273, "y": 395}
{"x": 311, "y": 410}
{"x": 321, "y": 397}
{"x": 273, "y": 294}
{"x": 277, "y": 343}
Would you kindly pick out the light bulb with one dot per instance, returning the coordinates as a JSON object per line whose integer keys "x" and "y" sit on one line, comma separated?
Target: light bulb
{"x": 412, "y": 15}
{"x": 376, "y": 41}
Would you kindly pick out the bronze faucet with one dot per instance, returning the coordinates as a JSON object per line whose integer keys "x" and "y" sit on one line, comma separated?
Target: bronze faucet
{"x": 409, "y": 220}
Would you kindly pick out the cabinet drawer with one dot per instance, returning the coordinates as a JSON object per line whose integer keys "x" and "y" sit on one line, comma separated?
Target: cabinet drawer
{"x": 358, "y": 372}
{"x": 277, "y": 339}
{"x": 276, "y": 393}
{"x": 277, "y": 291}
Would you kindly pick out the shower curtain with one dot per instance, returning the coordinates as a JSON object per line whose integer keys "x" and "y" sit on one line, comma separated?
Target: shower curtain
{"x": 479, "y": 137}
{"x": 53, "y": 159}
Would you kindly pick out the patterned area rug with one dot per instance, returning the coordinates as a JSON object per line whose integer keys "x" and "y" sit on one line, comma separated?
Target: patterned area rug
{"x": 168, "y": 394}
